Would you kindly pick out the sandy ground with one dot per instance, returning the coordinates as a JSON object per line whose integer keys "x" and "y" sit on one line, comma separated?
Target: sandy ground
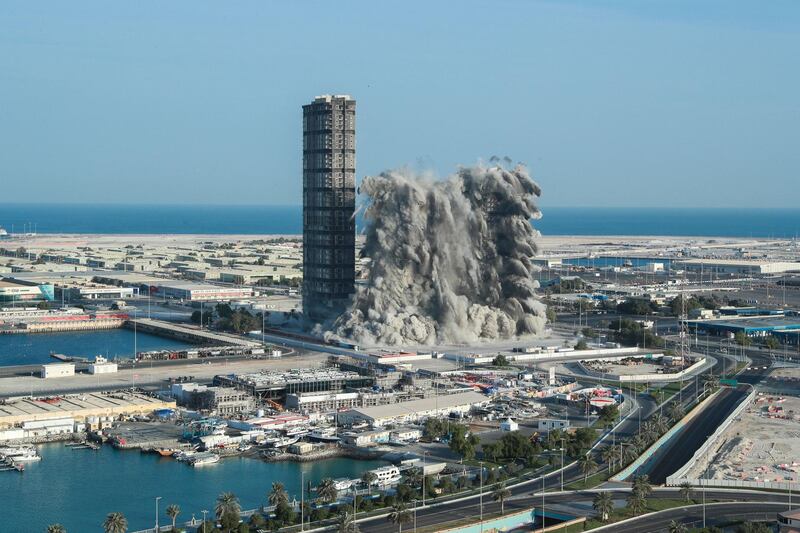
{"x": 147, "y": 376}
{"x": 608, "y": 242}
{"x": 760, "y": 445}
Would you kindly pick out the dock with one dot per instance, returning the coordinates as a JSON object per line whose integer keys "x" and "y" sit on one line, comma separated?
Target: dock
{"x": 188, "y": 333}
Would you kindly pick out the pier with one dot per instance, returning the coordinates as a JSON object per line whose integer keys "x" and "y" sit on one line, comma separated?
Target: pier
{"x": 188, "y": 333}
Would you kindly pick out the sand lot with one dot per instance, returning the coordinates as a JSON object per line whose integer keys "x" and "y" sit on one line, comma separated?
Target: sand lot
{"x": 763, "y": 444}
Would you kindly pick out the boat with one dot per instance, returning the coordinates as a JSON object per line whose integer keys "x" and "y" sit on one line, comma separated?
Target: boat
{"x": 297, "y": 432}
{"x": 342, "y": 483}
{"x": 324, "y": 435}
{"x": 166, "y": 452}
{"x": 202, "y": 459}
{"x": 386, "y": 476}
{"x": 184, "y": 455}
{"x": 243, "y": 447}
{"x": 285, "y": 441}
{"x": 22, "y": 454}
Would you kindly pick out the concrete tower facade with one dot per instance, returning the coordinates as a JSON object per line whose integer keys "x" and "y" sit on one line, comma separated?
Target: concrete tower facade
{"x": 329, "y": 182}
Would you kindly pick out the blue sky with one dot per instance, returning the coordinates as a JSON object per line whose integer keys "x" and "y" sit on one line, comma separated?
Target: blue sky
{"x": 611, "y": 103}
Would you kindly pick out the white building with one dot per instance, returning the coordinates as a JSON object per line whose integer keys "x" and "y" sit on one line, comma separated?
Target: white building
{"x": 549, "y": 424}
{"x": 508, "y": 425}
{"x": 58, "y": 370}
{"x": 409, "y": 412}
{"x": 44, "y": 428}
{"x": 101, "y": 365}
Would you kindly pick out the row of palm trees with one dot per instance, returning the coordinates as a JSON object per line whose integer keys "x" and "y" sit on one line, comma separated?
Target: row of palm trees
{"x": 626, "y": 450}
{"x": 636, "y": 503}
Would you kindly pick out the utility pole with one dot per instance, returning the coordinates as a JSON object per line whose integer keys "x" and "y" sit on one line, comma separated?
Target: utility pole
{"x": 302, "y": 499}
{"x": 481, "y": 494}
{"x": 157, "y": 528}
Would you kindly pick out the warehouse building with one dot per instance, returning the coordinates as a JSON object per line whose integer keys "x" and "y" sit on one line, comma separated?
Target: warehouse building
{"x": 415, "y": 410}
{"x": 738, "y": 266}
{"x": 781, "y": 326}
{"x": 79, "y": 407}
{"x": 277, "y": 385}
{"x": 16, "y": 290}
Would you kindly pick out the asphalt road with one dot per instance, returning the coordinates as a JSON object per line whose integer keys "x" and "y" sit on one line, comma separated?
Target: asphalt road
{"x": 524, "y": 498}
{"x": 682, "y": 447}
{"x": 693, "y": 516}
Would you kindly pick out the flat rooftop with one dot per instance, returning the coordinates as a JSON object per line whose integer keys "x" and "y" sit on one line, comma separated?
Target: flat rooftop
{"x": 73, "y": 405}
{"x": 281, "y": 379}
{"x": 425, "y": 404}
{"x": 772, "y": 323}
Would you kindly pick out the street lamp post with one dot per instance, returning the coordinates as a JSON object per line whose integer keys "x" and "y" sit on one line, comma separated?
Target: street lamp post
{"x": 302, "y": 499}
{"x": 415, "y": 515}
{"x": 157, "y": 529}
{"x": 424, "y": 454}
{"x": 205, "y": 512}
{"x": 481, "y": 494}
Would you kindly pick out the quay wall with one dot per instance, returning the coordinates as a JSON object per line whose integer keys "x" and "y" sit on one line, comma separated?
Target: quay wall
{"x": 76, "y": 325}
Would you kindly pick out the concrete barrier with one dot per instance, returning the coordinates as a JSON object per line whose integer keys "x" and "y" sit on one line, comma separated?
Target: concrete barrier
{"x": 626, "y": 472}
{"x": 679, "y": 476}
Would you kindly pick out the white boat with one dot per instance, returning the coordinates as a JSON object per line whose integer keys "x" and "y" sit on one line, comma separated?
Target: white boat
{"x": 202, "y": 459}
{"x": 297, "y": 432}
{"x": 285, "y": 441}
{"x": 324, "y": 435}
{"x": 22, "y": 454}
{"x": 243, "y": 447}
{"x": 386, "y": 476}
{"x": 184, "y": 455}
{"x": 342, "y": 483}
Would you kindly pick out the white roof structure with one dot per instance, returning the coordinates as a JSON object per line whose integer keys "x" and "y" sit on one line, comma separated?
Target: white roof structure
{"x": 418, "y": 408}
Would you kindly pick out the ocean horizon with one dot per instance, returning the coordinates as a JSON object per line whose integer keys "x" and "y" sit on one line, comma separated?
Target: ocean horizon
{"x": 287, "y": 220}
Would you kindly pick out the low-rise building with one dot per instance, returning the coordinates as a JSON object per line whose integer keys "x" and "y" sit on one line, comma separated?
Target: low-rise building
{"x": 366, "y": 438}
{"x": 549, "y": 424}
{"x": 101, "y": 365}
{"x": 416, "y": 410}
{"x": 57, "y": 370}
{"x": 223, "y": 401}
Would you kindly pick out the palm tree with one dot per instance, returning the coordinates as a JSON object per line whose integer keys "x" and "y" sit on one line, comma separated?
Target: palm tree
{"x": 587, "y": 465}
{"x": 629, "y": 451}
{"x": 676, "y": 411}
{"x": 56, "y": 528}
{"x": 414, "y": 476}
{"x": 686, "y": 491}
{"x": 500, "y": 494}
{"x": 115, "y": 523}
{"x": 676, "y": 527}
{"x": 636, "y": 502}
{"x": 227, "y": 506}
{"x": 609, "y": 455}
{"x": 277, "y": 494}
{"x": 326, "y": 490}
{"x": 603, "y": 503}
{"x": 399, "y": 515}
{"x": 346, "y": 523}
{"x": 641, "y": 485}
{"x": 172, "y": 512}
{"x": 660, "y": 424}
{"x": 369, "y": 478}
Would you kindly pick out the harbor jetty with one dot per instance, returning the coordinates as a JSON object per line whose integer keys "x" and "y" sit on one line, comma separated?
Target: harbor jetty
{"x": 188, "y": 333}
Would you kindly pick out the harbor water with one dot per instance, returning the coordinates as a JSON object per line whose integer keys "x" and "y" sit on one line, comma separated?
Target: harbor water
{"x": 35, "y": 348}
{"x": 77, "y": 488}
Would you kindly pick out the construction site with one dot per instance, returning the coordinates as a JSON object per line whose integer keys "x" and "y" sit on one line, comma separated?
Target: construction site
{"x": 761, "y": 445}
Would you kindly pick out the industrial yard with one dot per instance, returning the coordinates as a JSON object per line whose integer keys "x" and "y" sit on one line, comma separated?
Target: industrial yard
{"x": 762, "y": 444}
